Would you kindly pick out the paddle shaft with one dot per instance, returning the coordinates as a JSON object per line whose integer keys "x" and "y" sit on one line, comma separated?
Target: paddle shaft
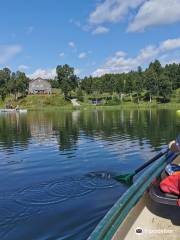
{"x": 150, "y": 161}
{"x": 129, "y": 176}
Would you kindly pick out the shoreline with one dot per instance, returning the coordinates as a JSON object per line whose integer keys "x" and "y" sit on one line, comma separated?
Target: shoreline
{"x": 68, "y": 107}
{"x": 57, "y": 103}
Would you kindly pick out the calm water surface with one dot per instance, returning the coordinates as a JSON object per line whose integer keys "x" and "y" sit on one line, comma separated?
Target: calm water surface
{"x": 54, "y": 167}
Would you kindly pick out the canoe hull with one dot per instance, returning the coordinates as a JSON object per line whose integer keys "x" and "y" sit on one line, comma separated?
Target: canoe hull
{"x": 136, "y": 210}
{"x": 149, "y": 220}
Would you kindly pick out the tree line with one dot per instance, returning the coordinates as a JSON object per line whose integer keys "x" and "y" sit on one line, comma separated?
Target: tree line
{"x": 155, "y": 82}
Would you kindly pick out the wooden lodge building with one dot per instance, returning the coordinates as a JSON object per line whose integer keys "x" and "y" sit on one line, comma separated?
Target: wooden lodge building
{"x": 39, "y": 86}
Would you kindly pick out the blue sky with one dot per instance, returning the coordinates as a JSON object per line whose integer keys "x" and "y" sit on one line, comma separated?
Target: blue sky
{"x": 93, "y": 36}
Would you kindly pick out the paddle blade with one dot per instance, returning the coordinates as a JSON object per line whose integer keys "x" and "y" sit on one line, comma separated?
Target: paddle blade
{"x": 126, "y": 178}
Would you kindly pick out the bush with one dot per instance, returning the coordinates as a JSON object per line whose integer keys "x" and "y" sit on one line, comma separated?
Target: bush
{"x": 80, "y": 96}
{"x": 113, "y": 101}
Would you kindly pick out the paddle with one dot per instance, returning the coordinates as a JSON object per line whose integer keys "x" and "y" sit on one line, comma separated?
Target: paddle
{"x": 127, "y": 178}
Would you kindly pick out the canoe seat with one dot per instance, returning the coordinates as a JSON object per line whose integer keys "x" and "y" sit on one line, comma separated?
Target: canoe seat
{"x": 160, "y": 197}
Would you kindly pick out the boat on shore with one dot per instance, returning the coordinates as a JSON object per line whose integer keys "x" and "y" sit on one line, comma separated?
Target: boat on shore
{"x": 143, "y": 211}
{"x": 6, "y": 110}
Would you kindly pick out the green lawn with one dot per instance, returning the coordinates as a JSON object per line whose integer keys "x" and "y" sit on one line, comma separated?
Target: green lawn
{"x": 57, "y": 102}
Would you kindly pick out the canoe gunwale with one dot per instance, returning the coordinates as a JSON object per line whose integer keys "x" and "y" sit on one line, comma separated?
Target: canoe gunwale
{"x": 108, "y": 226}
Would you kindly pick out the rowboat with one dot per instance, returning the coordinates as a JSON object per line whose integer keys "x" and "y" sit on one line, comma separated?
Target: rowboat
{"x": 13, "y": 110}
{"x": 143, "y": 212}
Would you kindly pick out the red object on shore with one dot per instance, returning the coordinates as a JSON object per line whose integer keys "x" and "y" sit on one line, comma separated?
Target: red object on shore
{"x": 171, "y": 185}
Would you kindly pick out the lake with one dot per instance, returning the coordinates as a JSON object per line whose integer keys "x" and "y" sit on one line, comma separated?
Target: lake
{"x": 55, "y": 167}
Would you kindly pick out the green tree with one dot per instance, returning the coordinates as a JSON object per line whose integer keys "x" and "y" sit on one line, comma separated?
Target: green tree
{"x": 68, "y": 81}
{"x": 156, "y": 70}
{"x": 129, "y": 84}
{"x": 21, "y": 82}
{"x": 150, "y": 83}
{"x": 54, "y": 83}
{"x": 86, "y": 84}
{"x": 173, "y": 72}
{"x": 79, "y": 94}
{"x": 139, "y": 83}
{"x": 11, "y": 85}
{"x": 5, "y": 76}
{"x": 165, "y": 89}
{"x": 156, "y": 66}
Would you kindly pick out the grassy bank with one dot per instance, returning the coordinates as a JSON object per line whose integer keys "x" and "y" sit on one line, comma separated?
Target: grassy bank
{"x": 36, "y": 102}
{"x": 57, "y": 102}
{"x": 128, "y": 105}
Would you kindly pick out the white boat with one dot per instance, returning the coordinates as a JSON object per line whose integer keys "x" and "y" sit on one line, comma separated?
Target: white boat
{"x": 6, "y": 110}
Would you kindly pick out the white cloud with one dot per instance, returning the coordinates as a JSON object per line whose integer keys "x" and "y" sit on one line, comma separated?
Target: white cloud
{"x": 170, "y": 44}
{"x": 82, "y": 55}
{"x": 147, "y": 54}
{"x": 23, "y": 67}
{"x": 121, "y": 63}
{"x": 83, "y": 27}
{"x": 62, "y": 54}
{"x": 29, "y": 30}
{"x": 8, "y": 52}
{"x": 72, "y": 44}
{"x": 48, "y": 73}
{"x": 43, "y": 73}
{"x": 144, "y": 13}
{"x": 156, "y": 12}
{"x": 120, "y": 54}
{"x": 112, "y": 10}
{"x": 100, "y": 30}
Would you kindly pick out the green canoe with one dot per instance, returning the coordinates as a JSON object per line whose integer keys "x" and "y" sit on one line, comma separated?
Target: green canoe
{"x": 136, "y": 216}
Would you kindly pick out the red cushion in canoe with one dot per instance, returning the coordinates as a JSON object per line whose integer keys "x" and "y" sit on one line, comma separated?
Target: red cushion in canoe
{"x": 171, "y": 184}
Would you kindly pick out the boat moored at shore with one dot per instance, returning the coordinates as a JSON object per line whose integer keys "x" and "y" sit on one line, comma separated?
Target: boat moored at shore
{"x": 13, "y": 110}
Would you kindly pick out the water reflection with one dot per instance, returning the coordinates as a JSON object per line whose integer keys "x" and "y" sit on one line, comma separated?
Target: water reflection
{"x": 14, "y": 129}
{"x": 157, "y": 127}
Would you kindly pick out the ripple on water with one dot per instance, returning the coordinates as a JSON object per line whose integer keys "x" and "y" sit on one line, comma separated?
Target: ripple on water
{"x": 11, "y": 214}
{"x": 29, "y": 201}
{"x": 37, "y": 195}
{"x": 98, "y": 180}
{"x": 69, "y": 189}
{"x": 60, "y": 190}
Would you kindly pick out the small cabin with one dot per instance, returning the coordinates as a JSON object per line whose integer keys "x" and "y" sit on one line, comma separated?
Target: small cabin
{"x": 40, "y": 86}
